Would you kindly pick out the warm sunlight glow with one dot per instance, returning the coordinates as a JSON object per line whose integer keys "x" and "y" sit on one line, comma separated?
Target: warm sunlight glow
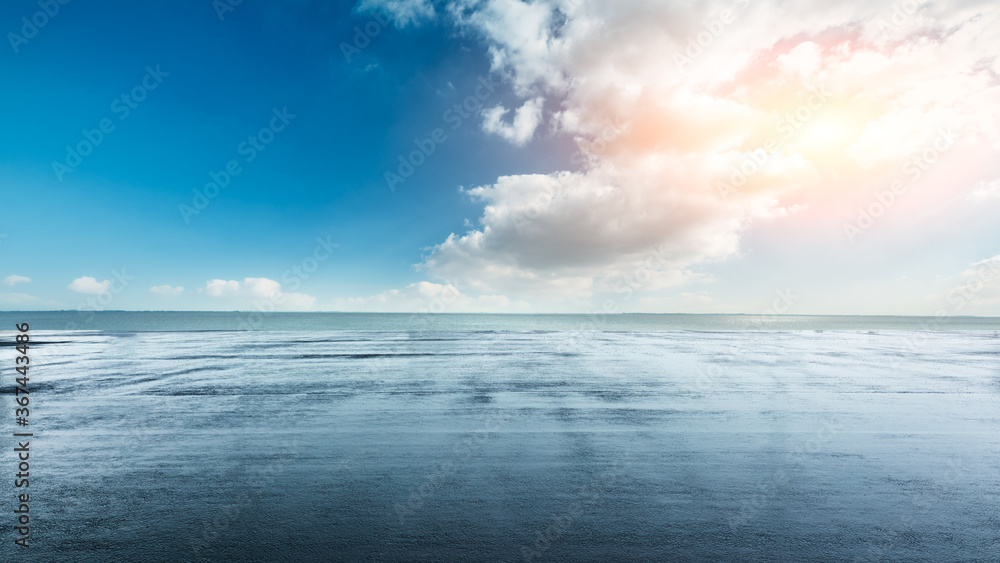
{"x": 825, "y": 134}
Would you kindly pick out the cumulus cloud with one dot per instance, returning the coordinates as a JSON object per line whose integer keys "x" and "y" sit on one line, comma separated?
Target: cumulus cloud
{"x": 259, "y": 291}
{"x": 166, "y": 290}
{"x": 222, "y": 288}
{"x": 694, "y": 120}
{"x": 523, "y": 39}
{"x": 427, "y": 297}
{"x": 526, "y": 120}
{"x": 403, "y": 12}
{"x": 565, "y": 234}
{"x": 89, "y": 285}
{"x": 15, "y": 279}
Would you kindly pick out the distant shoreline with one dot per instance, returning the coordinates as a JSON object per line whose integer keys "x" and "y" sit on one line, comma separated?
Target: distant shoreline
{"x": 174, "y": 321}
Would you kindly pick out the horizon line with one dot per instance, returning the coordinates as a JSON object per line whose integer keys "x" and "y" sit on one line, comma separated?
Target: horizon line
{"x": 600, "y": 313}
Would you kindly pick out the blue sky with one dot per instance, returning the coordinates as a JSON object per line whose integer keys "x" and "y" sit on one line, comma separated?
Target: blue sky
{"x": 535, "y": 227}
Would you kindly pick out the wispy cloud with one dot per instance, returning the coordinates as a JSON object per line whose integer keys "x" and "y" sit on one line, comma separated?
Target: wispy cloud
{"x": 987, "y": 191}
{"x": 426, "y": 297}
{"x": 14, "y": 279}
{"x": 21, "y": 300}
{"x": 403, "y": 12}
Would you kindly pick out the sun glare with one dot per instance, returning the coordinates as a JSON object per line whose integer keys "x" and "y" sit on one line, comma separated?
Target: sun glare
{"x": 824, "y": 134}
{"x": 827, "y": 138}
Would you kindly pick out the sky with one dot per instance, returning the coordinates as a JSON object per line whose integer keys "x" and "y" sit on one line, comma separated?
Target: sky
{"x": 551, "y": 156}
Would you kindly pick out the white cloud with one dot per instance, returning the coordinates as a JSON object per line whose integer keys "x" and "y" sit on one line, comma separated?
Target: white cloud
{"x": 403, "y": 12}
{"x": 19, "y": 299}
{"x": 15, "y": 279}
{"x": 166, "y": 290}
{"x": 977, "y": 291}
{"x": 259, "y": 291}
{"x": 522, "y": 39}
{"x": 526, "y": 120}
{"x": 566, "y": 235}
{"x": 987, "y": 191}
{"x": 804, "y": 59}
{"x": 660, "y": 124}
{"x": 424, "y": 297}
{"x": 89, "y": 285}
{"x": 262, "y": 288}
{"x": 222, "y": 288}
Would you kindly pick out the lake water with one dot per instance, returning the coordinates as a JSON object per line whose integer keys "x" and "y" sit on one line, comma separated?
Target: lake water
{"x": 174, "y": 437}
